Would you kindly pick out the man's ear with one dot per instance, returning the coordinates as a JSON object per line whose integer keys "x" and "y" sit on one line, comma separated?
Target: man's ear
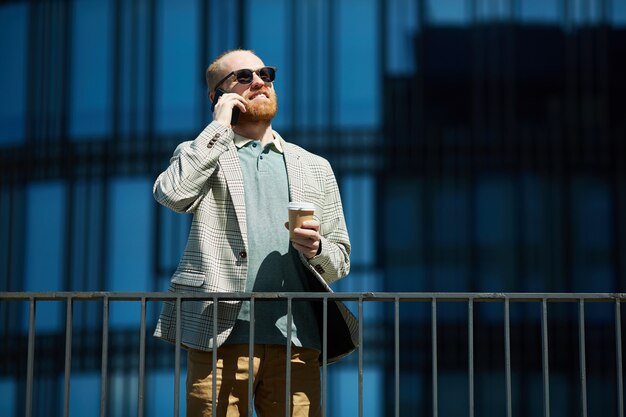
{"x": 210, "y": 94}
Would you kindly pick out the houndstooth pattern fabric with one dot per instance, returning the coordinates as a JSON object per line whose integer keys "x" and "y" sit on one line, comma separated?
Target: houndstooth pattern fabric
{"x": 204, "y": 178}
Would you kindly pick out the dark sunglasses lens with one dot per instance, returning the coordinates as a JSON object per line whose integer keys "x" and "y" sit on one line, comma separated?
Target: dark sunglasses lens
{"x": 244, "y": 76}
{"x": 267, "y": 74}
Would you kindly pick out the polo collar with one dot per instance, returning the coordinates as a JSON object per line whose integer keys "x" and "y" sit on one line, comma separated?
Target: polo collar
{"x": 241, "y": 141}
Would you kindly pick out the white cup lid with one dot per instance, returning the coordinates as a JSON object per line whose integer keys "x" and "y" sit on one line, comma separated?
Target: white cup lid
{"x": 294, "y": 205}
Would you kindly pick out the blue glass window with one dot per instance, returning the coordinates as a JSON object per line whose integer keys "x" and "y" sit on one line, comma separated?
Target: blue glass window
{"x": 586, "y": 12}
{"x": 91, "y": 81}
{"x": 592, "y": 208}
{"x": 618, "y": 13}
{"x": 534, "y": 210}
{"x": 180, "y": 76}
{"x": 160, "y": 393}
{"x": 359, "y": 70}
{"x": 402, "y": 24}
{"x": 592, "y": 236}
{"x": 262, "y": 37}
{"x": 357, "y": 193}
{"x": 495, "y": 199}
{"x": 344, "y": 394}
{"x": 540, "y": 11}
{"x": 87, "y": 235}
{"x": 13, "y": 48}
{"x": 123, "y": 393}
{"x": 130, "y": 244}
{"x": 8, "y": 396}
{"x": 45, "y": 235}
{"x": 451, "y": 214}
{"x": 450, "y": 277}
{"x": 84, "y": 394}
{"x": 402, "y": 196}
{"x": 448, "y": 12}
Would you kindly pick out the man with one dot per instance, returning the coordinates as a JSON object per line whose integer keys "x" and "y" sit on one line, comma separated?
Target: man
{"x": 237, "y": 179}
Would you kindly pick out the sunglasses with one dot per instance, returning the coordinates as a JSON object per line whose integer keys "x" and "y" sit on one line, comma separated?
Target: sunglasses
{"x": 245, "y": 76}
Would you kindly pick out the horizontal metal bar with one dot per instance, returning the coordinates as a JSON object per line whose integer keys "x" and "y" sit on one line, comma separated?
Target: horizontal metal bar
{"x": 343, "y": 296}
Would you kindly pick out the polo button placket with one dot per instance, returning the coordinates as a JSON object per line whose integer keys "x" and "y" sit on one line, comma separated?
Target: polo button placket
{"x": 243, "y": 254}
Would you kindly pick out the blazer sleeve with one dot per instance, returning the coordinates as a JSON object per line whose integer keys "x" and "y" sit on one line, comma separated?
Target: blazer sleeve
{"x": 181, "y": 186}
{"x": 333, "y": 262}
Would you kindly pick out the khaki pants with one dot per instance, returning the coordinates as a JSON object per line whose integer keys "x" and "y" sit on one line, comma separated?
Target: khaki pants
{"x": 269, "y": 381}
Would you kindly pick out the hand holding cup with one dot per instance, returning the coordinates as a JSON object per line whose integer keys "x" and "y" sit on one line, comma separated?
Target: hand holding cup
{"x": 303, "y": 228}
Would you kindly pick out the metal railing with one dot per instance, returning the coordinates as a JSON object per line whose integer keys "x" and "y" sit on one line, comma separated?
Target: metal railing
{"x": 434, "y": 299}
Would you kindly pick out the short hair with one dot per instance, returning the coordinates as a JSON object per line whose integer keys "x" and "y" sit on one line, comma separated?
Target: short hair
{"x": 213, "y": 75}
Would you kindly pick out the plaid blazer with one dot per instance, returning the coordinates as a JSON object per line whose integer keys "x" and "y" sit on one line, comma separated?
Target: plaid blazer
{"x": 204, "y": 178}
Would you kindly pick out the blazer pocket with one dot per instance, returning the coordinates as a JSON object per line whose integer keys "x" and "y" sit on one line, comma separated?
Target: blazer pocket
{"x": 190, "y": 279}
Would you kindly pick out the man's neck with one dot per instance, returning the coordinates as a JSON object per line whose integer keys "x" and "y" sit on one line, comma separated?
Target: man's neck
{"x": 261, "y": 131}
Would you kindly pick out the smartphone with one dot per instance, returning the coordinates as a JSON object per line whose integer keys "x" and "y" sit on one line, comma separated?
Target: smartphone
{"x": 236, "y": 111}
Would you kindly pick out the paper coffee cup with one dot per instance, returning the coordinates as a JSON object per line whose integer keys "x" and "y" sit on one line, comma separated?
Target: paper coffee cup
{"x": 298, "y": 213}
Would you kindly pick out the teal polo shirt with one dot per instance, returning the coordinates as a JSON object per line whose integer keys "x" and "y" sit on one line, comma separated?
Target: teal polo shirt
{"x": 273, "y": 263}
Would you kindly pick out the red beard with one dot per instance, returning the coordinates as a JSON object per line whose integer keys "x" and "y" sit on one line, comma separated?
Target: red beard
{"x": 261, "y": 110}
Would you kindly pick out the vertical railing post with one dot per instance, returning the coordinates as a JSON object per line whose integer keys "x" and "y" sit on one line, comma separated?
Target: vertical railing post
{"x": 324, "y": 355}
{"x": 177, "y": 357}
{"x": 288, "y": 360}
{"x": 545, "y": 358}
{"x": 433, "y": 309}
{"x": 68, "y": 357}
{"x": 105, "y": 357}
{"x": 360, "y": 356}
{"x": 396, "y": 333}
{"x": 214, "y": 361}
{"x": 618, "y": 358}
{"x": 31, "y": 358}
{"x": 581, "y": 350}
{"x": 470, "y": 359}
{"x": 251, "y": 355}
{"x": 507, "y": 356}
{"x": 142, "y": 359}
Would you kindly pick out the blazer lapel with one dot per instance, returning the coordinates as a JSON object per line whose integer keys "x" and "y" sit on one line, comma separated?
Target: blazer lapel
{"x": 229, "y": 162}
{"x": 295, "y": 173}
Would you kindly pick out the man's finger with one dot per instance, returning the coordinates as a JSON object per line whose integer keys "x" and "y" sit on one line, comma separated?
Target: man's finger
{"x": 306, "y": 233}
{"x": 311, "y": 224}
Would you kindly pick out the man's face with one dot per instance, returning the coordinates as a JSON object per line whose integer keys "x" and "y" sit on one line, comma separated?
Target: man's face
{"x": 261, "y": 101}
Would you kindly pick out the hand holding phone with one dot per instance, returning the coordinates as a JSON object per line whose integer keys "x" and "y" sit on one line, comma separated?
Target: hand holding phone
{"x": 235, "y": 115}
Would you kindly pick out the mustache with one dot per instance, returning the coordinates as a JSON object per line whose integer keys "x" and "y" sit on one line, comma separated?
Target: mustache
{"x": 265, "y": 91}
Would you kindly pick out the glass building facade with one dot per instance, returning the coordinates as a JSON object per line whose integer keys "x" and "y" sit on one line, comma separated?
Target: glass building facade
{"x": 479, "y": 146}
